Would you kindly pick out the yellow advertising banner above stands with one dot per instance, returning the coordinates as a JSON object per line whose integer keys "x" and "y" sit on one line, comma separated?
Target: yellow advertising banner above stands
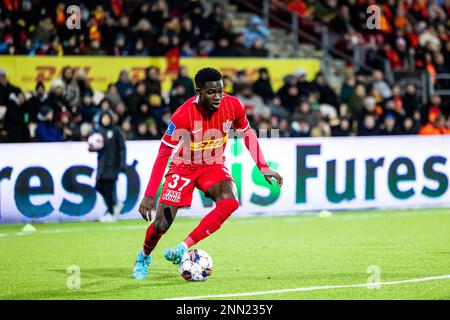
{"x": 25, "y": 71}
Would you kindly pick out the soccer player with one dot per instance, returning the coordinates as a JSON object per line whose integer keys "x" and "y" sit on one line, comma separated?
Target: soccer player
{"x": 196, "y": 137}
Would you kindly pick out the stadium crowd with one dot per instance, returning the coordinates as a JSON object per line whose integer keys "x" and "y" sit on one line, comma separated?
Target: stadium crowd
{"x": 67, "y": 111}
{"x": 411, "y": 34}
{"x": 126, "y": 28}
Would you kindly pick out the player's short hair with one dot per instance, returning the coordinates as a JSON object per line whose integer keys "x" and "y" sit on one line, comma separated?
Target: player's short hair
{"x": 206, "y": 75}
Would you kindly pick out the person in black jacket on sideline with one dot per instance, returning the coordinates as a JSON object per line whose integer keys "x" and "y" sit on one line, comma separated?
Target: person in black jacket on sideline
{"x": 111, "y": 161}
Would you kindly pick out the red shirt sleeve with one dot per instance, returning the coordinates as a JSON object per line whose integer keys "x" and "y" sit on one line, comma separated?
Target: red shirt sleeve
{"x": 240, "y": 122}
{"x": 252, "y": 144}
{"x": 171, "y": 137}
{"x": 169, "y": 142}
{"x": 159, "y": 167}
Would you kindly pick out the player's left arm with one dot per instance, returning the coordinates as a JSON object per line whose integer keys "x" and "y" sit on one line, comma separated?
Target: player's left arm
{"x": 242, "y": 125}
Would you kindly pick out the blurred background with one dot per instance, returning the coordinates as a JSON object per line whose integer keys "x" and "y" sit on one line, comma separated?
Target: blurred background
{"x": 347, "y": 71}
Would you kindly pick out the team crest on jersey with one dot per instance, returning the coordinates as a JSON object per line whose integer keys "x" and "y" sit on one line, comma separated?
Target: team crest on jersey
{"x": 226, "y": 126}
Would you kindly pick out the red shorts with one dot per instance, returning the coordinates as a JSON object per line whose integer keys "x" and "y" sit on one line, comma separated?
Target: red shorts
{"x": 180, "y": 182}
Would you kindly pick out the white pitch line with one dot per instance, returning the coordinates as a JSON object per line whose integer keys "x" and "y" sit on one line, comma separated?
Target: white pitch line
{"x": 72, "y": 230}
{"x": 258, "y": 293}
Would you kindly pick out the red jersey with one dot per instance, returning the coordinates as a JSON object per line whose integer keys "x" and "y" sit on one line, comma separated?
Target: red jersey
{"x": 200, "y": 136}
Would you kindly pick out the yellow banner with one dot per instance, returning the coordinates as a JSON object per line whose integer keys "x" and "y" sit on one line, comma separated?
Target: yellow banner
{"x": 25, "y": 71}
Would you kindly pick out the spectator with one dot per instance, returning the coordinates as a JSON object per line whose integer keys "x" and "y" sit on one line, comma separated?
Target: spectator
{"x": 326, "y": 94}
{"x": 113, "y": 95}
{"x": 255, "y": 30}
{"x": 368, "y": 127}
{"x": 289, "y": 94}
{"x": 434, "y": 126}
{"x": 284, "y": 128}
{"x": 88, "y": 109}
{"x": 121, "y": 46}
{"x": 304, "y": 112}
{"x": 143, "y": 113}
{"x": 161, "y": 47}
{"x": 409, "y": 126}
{"x": 177, "y": 97}
{"x": 152, "y": 130}
{"x": 120, "y": 110}
{"x": 17, "y": 118}
{"x": 70, "y": 129}
{"x": 141, "y": 131}
{"x": 257, "y": 49}
{"x": 322, "y": 129}
{"x": 348, "y": 88}
{"x": 46, "y": 130}
{"x": 389, "y": 125}
{"x": 138, "y": 96}
{"x": 356, "y": 101}
{"x": 381, "y": 85}
{"x": 83, "y": 85}
{"x": 276, "y": 109}
{"x": 252, "y": 102}
{"x": 342, "y": 129}
{"x": 95, "y": 49}
{"x": 110, "y": 162}
{"x": 124, "y": 85}
{"x": 303, "y": 86}
{"x": 300, "y": 128}
{"x": 139, "y": 48}
{"x": 222, "y": 48}
{"x": 71, "y": 89}
{"x": 410, "y": 100}
{"x": 262, "y": 86}
{"x": 239, "y": 47}
{"x": 6, "y": 88}
{"x": 127, "y": 129}
{"x": 37, "y": 101}
{"x": 240, "y": 81}
{"x": 56, "y": 99}
{"x": 184, "y": 80}
{"x": 152, "y": 82}
{"x": 213, "y": 22}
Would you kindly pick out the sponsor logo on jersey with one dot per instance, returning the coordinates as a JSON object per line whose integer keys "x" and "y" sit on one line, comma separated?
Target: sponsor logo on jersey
{"x": 170, "y": 129}
{"x": 208, "y": 144}
{"x": 172, "y": 195}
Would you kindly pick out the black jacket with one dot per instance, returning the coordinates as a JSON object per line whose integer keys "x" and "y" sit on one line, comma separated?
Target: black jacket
{"x": 16, "y": 123}
{"x": 111, "y": 159}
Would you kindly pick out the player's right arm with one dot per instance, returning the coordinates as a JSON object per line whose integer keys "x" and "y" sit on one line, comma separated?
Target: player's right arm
{"x": 168, "y": 144}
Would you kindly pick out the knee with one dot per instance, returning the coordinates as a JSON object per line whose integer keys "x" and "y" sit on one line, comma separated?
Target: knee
{"x": 232, "y": 204}
{"x": 160, "y": 225}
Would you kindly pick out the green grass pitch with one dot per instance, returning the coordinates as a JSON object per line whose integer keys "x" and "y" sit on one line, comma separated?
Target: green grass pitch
{"x": 250, "y": 255}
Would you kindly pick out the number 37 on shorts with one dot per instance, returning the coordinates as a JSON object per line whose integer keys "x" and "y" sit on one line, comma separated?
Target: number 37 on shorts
{"x": 179, "y": 184}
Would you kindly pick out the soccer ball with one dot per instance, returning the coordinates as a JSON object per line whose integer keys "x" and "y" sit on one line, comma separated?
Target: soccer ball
{"x": 196, "y": 265}
{"x": 96, "y": 142}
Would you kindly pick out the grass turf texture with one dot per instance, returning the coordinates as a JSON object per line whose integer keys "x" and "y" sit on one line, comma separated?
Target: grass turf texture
{"x": 250, "y": 254}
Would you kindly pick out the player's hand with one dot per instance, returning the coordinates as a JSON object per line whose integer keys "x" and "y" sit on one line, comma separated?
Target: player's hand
{"x": 269, "y": 174}
{"x": 146, "y": 207}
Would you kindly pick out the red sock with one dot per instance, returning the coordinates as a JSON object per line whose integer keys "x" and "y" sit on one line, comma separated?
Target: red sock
{"x": 212, "y": 221}
{"x": 151, "y": 239}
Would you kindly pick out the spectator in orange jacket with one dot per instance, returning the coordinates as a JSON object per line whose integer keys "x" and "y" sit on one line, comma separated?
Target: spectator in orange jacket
{"x": 434, "y": 126}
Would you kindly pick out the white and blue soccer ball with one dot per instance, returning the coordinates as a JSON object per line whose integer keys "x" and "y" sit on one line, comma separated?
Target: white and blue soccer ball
{"x": 96, "y": 142}
{"x": 196, "y": 265}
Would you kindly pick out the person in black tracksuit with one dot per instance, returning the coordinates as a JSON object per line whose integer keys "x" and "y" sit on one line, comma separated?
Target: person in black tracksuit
{"x": 111, "y": 161}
